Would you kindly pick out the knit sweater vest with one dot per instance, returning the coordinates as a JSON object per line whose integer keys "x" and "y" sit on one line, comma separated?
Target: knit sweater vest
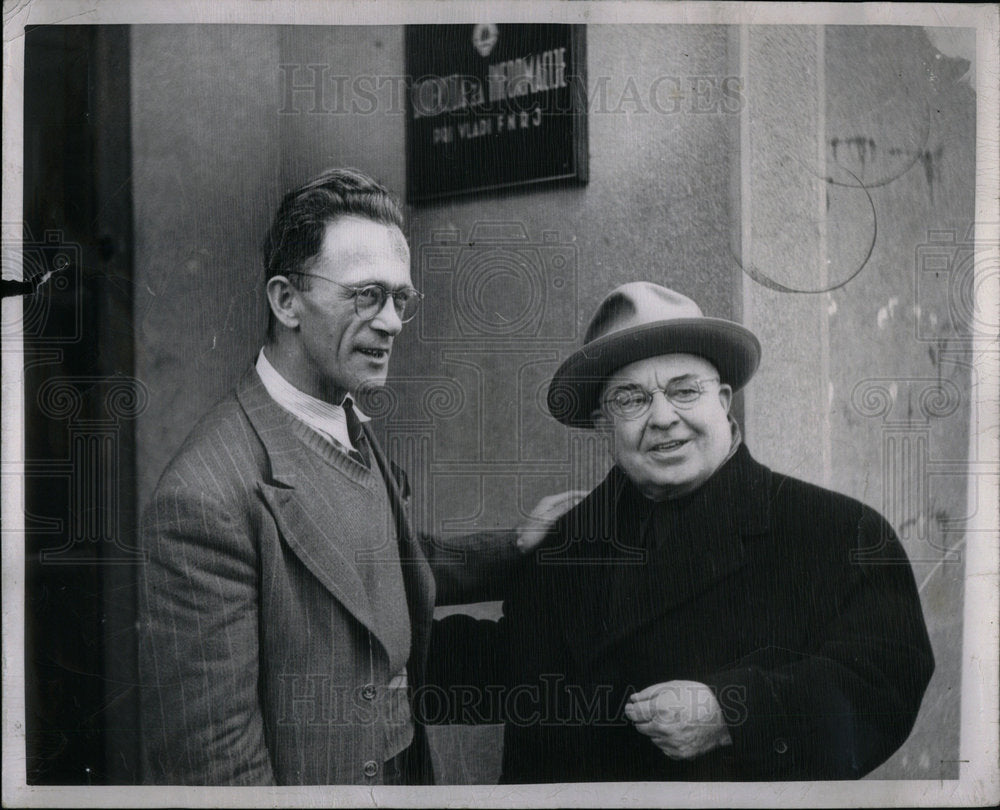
{"x": 369, "y": 531}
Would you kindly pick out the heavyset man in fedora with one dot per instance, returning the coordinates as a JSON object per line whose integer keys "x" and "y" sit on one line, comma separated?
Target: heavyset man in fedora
{"x": 697, "y": 616}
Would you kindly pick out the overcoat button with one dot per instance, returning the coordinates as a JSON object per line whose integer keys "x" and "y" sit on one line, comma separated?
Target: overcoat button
{"x": 780, "y": 746}
{"x": 371, "y": 768}
{"x": 368, "y": 691}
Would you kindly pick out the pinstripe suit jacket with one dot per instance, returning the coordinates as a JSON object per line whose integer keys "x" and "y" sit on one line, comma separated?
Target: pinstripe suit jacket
{"x": 256, "y": 633}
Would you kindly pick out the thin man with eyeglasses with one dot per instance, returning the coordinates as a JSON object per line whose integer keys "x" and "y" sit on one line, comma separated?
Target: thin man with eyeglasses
{"x": 696, "y": 616}
{"x": 286, "y": 602}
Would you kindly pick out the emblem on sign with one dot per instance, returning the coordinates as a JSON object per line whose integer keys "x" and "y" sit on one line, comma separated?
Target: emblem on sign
{"x": 484, "y": 37}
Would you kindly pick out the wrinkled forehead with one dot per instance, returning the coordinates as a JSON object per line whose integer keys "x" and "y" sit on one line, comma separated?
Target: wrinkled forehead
{"x": 355, "y": 237}
{"x": 356, "y": 250}
{"x": 661, "y": 369}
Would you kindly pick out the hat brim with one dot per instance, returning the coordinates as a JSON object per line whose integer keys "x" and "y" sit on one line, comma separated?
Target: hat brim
{"x": 575, "y": 387}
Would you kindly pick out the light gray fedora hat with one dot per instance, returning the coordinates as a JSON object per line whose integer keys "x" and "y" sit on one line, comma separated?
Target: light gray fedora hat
{"x": 640, "y": 320}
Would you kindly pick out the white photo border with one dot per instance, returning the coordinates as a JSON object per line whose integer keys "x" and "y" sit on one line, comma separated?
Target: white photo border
{"x": 979, "y": 782}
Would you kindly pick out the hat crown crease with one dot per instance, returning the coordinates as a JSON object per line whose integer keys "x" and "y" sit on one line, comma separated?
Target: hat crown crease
{"x": 636, "y": 304}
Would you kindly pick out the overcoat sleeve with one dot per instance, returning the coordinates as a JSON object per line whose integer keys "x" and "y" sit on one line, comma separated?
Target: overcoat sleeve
{"x": 198, "y": 648}
{"x": 842, "y": 709}
{"x": 466, "y": 661}
{"x": 472, "y": 568}
{"x": 467, "y": 568}
{"x": 473, "y": 663}
{"x": 467, "y": 672}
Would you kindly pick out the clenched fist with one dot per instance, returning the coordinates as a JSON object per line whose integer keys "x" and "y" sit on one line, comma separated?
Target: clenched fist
{"x": 682, "y": 718}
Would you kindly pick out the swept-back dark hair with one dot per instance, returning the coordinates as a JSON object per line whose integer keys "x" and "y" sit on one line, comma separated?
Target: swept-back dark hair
{"x": 296, "y": 235}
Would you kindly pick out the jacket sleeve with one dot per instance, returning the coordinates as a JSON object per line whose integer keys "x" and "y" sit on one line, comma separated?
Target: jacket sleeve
{"x": 198, "y": 644}
{"x": 843, "y": 708}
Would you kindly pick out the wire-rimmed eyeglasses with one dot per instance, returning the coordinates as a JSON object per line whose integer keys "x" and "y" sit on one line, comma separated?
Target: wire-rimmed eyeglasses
{"x": 369, "y": 299}
{"x": 632, "y": 401}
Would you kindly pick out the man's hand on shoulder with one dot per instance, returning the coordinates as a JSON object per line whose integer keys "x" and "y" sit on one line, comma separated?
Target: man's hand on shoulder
{"x": 682, "y": 718}
{"x": 546, "y": 512}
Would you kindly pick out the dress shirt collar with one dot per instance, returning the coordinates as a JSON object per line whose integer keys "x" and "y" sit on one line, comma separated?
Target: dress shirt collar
{"x": 323, "y": 417}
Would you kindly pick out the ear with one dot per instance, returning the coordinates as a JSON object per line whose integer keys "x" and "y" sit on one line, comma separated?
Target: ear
{"x": 725, "y": 396}
{"x": 283, "y": 299}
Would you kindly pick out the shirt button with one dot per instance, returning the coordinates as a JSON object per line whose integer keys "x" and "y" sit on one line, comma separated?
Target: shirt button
{"x": 368, "y": 691}
{"x": 780, "y": 746}
{"x": 371, "y": 768}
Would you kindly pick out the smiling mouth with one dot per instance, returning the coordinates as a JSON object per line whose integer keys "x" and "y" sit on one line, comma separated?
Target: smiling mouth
{"x": 375, "y": 354}
{"x": 666, "y": 447}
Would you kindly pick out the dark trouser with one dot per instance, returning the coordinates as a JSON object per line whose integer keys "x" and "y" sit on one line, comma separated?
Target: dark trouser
{"x": 412, "y": 765}
{"x": 396, "y": 769}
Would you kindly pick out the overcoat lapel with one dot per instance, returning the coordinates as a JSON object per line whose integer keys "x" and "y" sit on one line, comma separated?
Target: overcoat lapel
{"x": 685, "y": 547}
{"x": 575, "y": 562}
{"x": 305, "y": 521}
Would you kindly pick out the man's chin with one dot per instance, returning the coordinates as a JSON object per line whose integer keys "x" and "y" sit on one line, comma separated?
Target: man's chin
{"x": 369, "y": 378}
{"x": 659, "y": 486}
{"x": 374, "y": 381}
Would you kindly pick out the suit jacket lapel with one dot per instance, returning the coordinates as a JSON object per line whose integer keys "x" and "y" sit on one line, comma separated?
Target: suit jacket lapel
{"x": 417, "y": 577}
{"x": 306, "y": 522}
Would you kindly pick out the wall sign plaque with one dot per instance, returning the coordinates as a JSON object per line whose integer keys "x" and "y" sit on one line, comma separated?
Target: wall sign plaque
{"x": 494, "y": 106}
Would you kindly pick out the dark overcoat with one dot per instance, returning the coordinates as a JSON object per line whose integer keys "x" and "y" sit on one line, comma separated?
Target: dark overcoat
{"x": 795, "y": 605}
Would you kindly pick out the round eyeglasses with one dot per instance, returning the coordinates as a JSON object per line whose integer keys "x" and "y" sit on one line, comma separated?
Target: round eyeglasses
{"x": 369, "y": 299}
{"x": 632, "y": 401}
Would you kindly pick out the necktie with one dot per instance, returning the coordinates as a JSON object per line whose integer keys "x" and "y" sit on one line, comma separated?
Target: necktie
{"x": 355, "y": 433}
